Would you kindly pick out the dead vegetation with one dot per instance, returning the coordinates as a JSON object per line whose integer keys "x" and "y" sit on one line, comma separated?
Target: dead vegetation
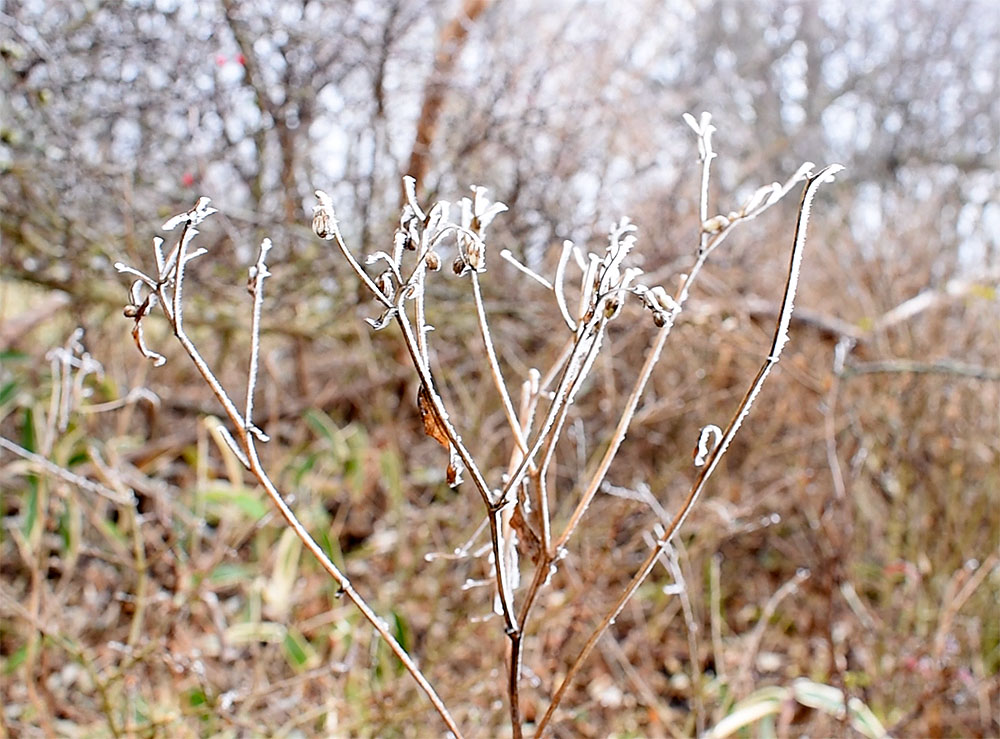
{"x": 846, "y": 547}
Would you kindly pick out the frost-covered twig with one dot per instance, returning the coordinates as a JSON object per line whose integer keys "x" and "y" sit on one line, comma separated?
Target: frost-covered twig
{"x": 255, "y": 286}
{"x": 423, "y": 232}
{"x": 780, "y": 337}
{"x": 167, "y": 291}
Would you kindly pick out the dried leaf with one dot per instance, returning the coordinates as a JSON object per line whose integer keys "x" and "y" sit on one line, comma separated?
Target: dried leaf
{"x": 454, "y": 474}
{"x": 527, "y": 540}
{"x": 432, "y": 424}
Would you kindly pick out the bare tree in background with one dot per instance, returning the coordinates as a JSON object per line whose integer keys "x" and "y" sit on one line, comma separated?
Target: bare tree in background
{"x": 111, "y": 104}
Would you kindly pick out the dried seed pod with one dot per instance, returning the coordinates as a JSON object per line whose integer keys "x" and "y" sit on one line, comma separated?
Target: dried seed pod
{"x": 433, "y": 261}
{"x": 324, "y": 220}
{"x": 475, "y": 254}
{"x": 714, "y": 225}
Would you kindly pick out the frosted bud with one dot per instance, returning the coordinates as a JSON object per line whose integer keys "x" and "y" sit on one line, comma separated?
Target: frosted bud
{"x": 324, "y": 220}
{"x": 714, "y": 225}
{"x": 475, "y": 255}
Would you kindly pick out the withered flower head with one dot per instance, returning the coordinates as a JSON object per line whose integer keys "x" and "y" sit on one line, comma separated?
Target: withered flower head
{"x": 324, "y": 219}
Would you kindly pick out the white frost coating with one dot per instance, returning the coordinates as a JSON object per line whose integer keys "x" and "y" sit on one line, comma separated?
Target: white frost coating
{"x": 410, "y": 188}
{"x": 258, "y": 273}
{"x": 507, "y": 256}
{"x": 559, "y": 278}
{"x": 484, "y": 211}
{"x": 703, "y": 450}
{"x": 704, "y": 130}
{"x": 196, "y": 215}
{"x": 824, "y": 175}
{"x": 233, "y": 446}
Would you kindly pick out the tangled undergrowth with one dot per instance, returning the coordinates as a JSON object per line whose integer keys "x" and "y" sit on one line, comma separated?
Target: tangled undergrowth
{"x": 844, "y": 551}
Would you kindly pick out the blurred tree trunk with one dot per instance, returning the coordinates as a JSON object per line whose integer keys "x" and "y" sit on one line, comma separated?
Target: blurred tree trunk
{"x": 450, "y": 45}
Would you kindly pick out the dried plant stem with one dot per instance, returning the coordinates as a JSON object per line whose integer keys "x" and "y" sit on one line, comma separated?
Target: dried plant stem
{"x": 955, "y": 603}
{"x": 652, "y": 357}
{"x": 358, "y": 269}
{"x": 575, "y": 372}
{"x": 757, "y": 635}
{"x": 830, "y": 422}
{"x": 414, "y": 338}
{"x": 564, "y": 392}
{"x": 580, "y": 372}
{"x": 670, "y": 559}
{"x": 257, "y": 276}
{"x": 258, "y": 471}
{"x": 420, "y": 314}
{"x": 491, "y": 355}
{"x": 245, "y": 434}
{"x": 706, "y": 247}
{"x": 423, "y": 371}
{"x": 943, "y": 367}
{"x": 780, "y": 337}
{"x": 715, "y": 603}
{"x": 500, "y": 527}
{"x": 51, "y": 468}
{"x": 559, "y": 284}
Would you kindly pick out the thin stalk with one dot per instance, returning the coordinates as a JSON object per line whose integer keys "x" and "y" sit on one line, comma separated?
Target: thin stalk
{"x": 513, "y": 680}
{"x": 562, "y": 394}
{"x": 553, "y": 437}
{"x": 51, "y": 468}
{"x": 503, "y": 579}
{"x": 420, "y": 319}
{"x": 256, "y": 285}
{"x": 176, "y": 318}
{"x": 517, "y": 640}
{"x": 559, "y": 285}
{"x": 423, "y": 372}
{"x": 557, "y": 365}
{"x": 358, "y": 269}
{"x": 491, "y": 355}
{"x": 652, "y": 357}
{"x": 257, "y": 469}
{"x": 778, "y": 341}
{"x": 417, "y": 281}
{"x": 467, "y": 460}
